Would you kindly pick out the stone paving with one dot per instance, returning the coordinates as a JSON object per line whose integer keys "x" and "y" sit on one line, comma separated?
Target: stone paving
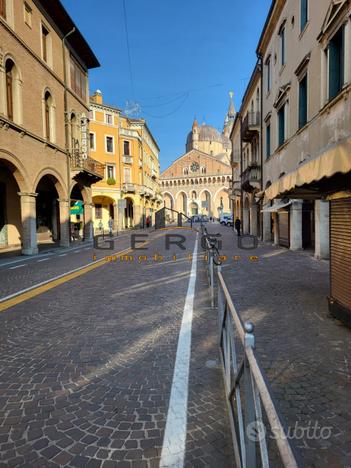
{"x": 305, "y": 353}
{"x": 86, "y": 370}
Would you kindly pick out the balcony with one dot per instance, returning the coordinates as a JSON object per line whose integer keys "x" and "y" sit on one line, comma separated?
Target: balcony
{"x": 128, "y": 187}
{"x": 250, "y": 126}
{"x": 149, "y": 193}
{"x": 127, "y": 159}
{"x": 234, "y": 188}
{"x": 251, "y": 178}
{"x": 86, "y": 167}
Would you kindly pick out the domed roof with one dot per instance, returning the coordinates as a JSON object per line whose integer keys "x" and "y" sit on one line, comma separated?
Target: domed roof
{"x": 207, "y": 133}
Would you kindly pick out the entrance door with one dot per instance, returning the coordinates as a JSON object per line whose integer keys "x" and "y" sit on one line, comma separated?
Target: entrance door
{"x": 3, "y": 226}
{"x": 307, "y": 225}
{"x": 194, "y": 209}
{"x": 284, "y": 228}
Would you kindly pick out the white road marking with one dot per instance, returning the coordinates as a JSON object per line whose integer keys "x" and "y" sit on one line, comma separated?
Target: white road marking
{"x": 43, "y": 260}
{"x": 18, "y": 266}
{"x": 62, "y": 255}
{"x": 77, "y": 251}
{"x": 173, "y": 449}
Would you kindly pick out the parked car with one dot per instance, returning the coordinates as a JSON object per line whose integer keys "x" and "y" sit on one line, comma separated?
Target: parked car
{"x": 226, "y": 219}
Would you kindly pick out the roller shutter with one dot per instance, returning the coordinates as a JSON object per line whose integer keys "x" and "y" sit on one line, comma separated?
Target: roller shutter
{"x": 340, "y": 253}
{"x": 284, "y": 234}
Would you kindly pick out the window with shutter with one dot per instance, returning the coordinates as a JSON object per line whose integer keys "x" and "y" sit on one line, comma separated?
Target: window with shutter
{"x": 303, "y": 102}
{"x": 9, "y": 88}
{"x": 281, "y": 125}
{"x": 3, "y": 8}
{"x": 304, "y": 14}
{"x": 268, "y": 140}
{"x": 336, "y": 63}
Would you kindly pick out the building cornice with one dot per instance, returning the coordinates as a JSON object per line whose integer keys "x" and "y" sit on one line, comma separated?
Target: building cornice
{"x": 270, "y": 25}
{"x": 42, "y": 63}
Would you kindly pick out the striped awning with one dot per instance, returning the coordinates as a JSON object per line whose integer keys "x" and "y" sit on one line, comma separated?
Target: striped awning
{"x": 336, "y": 159}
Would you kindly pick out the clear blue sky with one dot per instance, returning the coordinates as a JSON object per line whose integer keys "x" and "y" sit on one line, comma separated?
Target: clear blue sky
{"x": 186, "y": 56}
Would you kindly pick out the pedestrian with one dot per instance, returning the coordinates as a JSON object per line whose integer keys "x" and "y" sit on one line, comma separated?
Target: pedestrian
{"x": 101, "y": 227}
{"x": 147, "y": 222}
{"x": 110, "y": 226}
{"x": 237, "y": 226}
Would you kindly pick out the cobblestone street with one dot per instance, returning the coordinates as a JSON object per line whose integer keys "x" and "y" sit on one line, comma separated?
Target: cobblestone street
{"x": 304, "y": 352}
{"x": 87, "y": 367}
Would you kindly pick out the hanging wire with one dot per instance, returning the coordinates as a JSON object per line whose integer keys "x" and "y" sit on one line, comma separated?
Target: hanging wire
{"x": 169, "y": 113}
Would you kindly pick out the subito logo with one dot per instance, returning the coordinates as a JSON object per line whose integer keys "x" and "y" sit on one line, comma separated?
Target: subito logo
{"x": 256, "y": 431}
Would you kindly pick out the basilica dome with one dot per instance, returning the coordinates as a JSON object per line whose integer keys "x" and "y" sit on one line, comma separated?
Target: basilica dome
{"x": 206, "y": 133}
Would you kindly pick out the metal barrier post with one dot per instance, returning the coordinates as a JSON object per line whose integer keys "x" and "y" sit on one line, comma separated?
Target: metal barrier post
{"x": 250, "y": 413}
{"x": 211, "y": 277}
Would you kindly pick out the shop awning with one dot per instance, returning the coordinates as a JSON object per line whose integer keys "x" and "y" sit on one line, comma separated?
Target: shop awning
{"x": 276, "y": 207}
{"x": 335, "y": 160}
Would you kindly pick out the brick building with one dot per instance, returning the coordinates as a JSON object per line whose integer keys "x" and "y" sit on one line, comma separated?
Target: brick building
{"x": 44, "y": 105}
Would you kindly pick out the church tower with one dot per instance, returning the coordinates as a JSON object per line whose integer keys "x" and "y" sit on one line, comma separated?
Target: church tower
{"x": 230, "y": 117}
{"x": 195, "y": 130}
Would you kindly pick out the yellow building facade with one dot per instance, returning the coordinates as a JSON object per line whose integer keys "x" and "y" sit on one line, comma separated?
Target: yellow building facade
{"x": 130, "y": 191}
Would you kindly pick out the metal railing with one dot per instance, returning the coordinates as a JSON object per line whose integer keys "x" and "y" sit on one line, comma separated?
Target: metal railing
{"x": 250, "y": 123}
{"x": 87, "y": 164}
{"x": 246, "y": 389}
{"x": 209, "y": 243}
{"x": 251, "y": 174}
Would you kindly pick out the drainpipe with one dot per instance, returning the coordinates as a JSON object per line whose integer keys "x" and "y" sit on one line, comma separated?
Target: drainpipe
{"x": 261, "y": 136}
{"x": 66, "y": 124}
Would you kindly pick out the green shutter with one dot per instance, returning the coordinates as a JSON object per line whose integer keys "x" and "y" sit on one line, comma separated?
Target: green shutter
{"x": 336, "y": 63}
{"x": 304, "y": 13}
{"x": 303, "y": 102}
{"x": 281, "y": 125}
{"x": 268, "y": 140}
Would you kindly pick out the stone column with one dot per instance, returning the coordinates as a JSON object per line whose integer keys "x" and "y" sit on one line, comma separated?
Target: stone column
{"x": 245, "y": 226}
{"x": 267, "y": 236}
{"x": 116, "y": 225}
{"x": 136, "y": 215}
{"x": 64, "y": 207}
{"x": 321, "y": 213}
{"x": 275, "y": 228}
{"x": 29, "y": 223}
{"x": 253, "y": 219}
{"x": 88, "y": 221}
{"x": 296, "y": 225}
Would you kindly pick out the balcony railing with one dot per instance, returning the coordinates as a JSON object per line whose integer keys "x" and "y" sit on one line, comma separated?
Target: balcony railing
{"x": 251, "y": 177}
{"x": 128, "y": 187}
{"x": 250, "y": 125}
{"x": 127, "y": 159}
{"x": 87, "y": 164}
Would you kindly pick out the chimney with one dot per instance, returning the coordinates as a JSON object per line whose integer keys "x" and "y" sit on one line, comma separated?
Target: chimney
{"x": 97, "y": 97}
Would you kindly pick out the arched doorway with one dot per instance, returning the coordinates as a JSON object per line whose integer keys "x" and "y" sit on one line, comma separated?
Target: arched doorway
{"x": 206, "y": 203}
{"x": 10, "y": 207}
{"x": 48, "y": 210}
{"x": 194, "y": 209}
{"x": 77, "y": 214}
{"x": 222, "y": 202}
{"x": 104, "y": 209}
{"x": 168, "y": 201}
{"x": 129, "y": 213}
{"x": 182, "y": 203}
